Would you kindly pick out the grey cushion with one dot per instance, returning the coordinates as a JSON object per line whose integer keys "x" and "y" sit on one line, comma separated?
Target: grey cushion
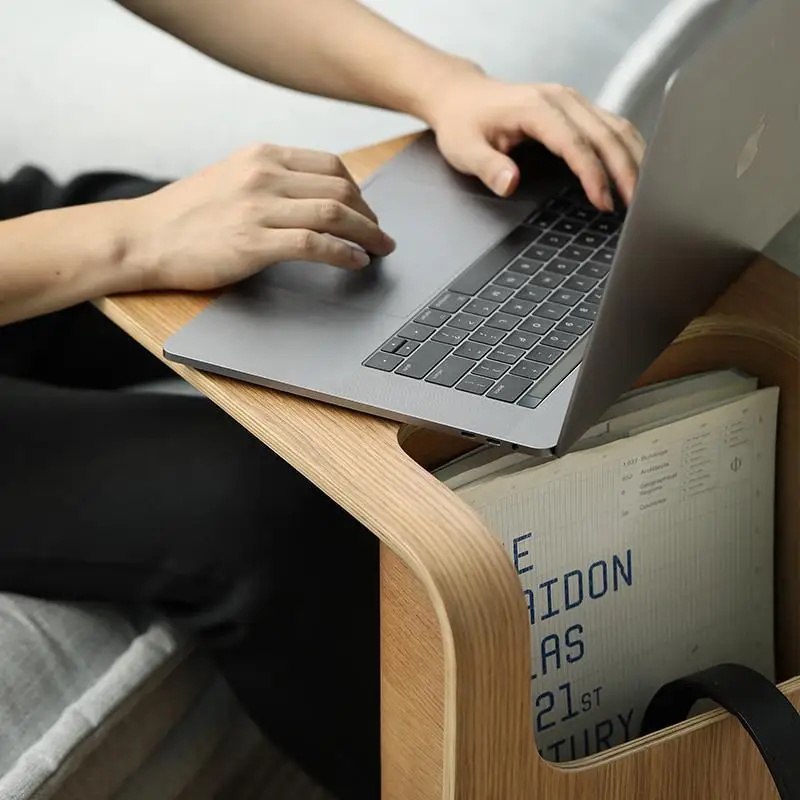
{"x": 65, "y": 668}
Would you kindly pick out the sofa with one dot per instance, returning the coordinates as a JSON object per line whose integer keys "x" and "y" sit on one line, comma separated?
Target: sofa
{"x": 96, "y": 702}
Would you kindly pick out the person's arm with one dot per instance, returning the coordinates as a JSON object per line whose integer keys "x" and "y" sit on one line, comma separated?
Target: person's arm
{"x": 334, "y": 48}
{"x": 53, "y": 259}
{"x": 261, "y": 205}
{"x": 341, "y": 49}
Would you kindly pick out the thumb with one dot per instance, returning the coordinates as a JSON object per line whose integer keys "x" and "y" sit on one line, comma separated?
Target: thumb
{"x": 495, "y": 169}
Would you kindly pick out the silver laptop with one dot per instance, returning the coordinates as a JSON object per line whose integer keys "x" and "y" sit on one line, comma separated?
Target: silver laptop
{"x": 519, "y": 322}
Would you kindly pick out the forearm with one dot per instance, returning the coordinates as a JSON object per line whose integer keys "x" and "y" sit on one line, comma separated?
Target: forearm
{"x": 334, "y": 48}
{"x": 53, "y": 259}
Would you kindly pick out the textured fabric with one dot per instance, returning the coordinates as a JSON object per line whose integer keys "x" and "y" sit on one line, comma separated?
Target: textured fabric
{"x": 65, "y": 669}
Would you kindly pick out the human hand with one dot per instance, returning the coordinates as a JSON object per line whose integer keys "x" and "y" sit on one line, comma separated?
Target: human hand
{"x": 478, "y": 120}
{"x": 262, "y": 205}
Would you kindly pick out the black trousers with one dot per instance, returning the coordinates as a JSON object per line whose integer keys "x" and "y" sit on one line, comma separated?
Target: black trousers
{"x": 163, "y": 503}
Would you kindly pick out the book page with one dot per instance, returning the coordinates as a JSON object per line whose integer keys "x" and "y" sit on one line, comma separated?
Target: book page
{"x": 640, "y": 561}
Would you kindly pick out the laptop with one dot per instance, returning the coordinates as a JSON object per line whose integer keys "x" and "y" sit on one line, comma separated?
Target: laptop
{"x": 519, "y": 321}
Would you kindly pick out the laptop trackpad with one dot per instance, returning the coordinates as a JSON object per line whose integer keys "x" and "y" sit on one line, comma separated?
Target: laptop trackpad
{"x": 439, "y": 232}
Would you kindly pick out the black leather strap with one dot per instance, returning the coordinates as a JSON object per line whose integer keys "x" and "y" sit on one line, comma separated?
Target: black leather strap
{"x": 764, "y": 711}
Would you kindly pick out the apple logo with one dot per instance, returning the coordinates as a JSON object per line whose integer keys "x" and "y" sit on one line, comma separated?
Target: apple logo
{"x": 750, "y": 149}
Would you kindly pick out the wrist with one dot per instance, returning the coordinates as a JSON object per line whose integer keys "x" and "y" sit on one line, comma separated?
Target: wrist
{"x": 433, "y": 84}
{"x": 138, "y": 263}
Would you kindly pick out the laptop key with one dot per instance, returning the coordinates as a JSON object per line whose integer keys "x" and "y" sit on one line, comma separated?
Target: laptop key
{"x": 532, "y": 294}
{"x": 548, "y": 280}
{"x": 559, "y": 339}
{"x": 581, "y": 283}
{"x": 604, "y": 256}
{"x": 474, "y": 350}
{"x": 481, "y": 307}
{"x": 497, "y": 294}
{"x": 400, "y": 346}
{"x": 552, "y": 311}
{"x": 542, "y": 219}
{"x": 605, "y": 224}
{"x": 562, "y": 266}
{"x": 568, "y": 225}
{"x": 577, "y": 253}
{"x": 537, "y": 325}
{"x": 513, "y": 280}
{"x": 540, "y": 252}
{"x": 474, "y": 278}
{"x": 509, "y": 388}
{"x": 450, "y": 302}
{"x": 586, "y": 311}
{"x": 596, "y": 296}
{"x": 528, "y": 401}
{"x": 407, "y": 349}
{"x": 584, "y": 213}
{"x": 503, "y": 322}
{"x": 522, "y": 340}
{"x": 554, "y": 239}
{"x": 491, "y": 369}
{"x": 506, "y": 354}
{"x": 519, "y": 307}
{"x": 416, "y": 331}
{"x": 393, "y": 345}
{"x": 474, "y": 384}
{"x": 566, "y": 297}
{"x": 467, "y": 322}
{"x": 383, "y": 361}
{"x": 593, "y": 269}
{"x": 449, "y": 336}
{"x": 574, "y": 325}
{"x": 556, "y": 374}
{"x": 526, "y": 266}
{"x": 450, "y": 371}
{"x": 613, "y": 241}
{"x": 590, "y": 239}
{"x": 432, "y": 316}
{"x": 423, "y": 360}
{"x": 544, "y": 354}
{"x": 487, "y": 336}
{"x": 529, "y": 369}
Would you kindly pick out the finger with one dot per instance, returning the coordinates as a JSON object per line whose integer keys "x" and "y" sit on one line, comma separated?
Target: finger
{"x": 629, "y": 132}
{"x": 332, "y": 217}
{"x": 559, "y": 134}
{"x": 300, "y": 160}
{"x": 298, "y": 244}
{"x": 476, "y": 156}
{"x": 310, "y": 186}
{"x": 617, "y": 150}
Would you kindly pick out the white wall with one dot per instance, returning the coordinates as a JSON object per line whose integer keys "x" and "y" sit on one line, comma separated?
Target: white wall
{"x": 83, "y": 84}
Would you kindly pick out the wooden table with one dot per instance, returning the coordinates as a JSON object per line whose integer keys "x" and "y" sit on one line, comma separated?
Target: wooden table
{"x": 456, "y": 715}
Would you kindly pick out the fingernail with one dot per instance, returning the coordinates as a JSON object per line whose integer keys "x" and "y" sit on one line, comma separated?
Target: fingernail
{"x": 502, "y": 183}
{"x": 360, "y": 258}
{"x": 608, "y": 200}
{"x": 391, "y": 244}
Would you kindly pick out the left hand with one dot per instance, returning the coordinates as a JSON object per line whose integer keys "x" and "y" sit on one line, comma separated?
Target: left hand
{"x": 478, "y": 120}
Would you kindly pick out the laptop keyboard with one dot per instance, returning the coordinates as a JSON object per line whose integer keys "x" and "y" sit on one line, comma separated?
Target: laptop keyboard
{"x": 514, "y": 324}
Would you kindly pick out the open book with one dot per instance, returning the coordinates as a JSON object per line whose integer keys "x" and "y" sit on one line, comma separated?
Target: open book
{"x": 643, "y": 555}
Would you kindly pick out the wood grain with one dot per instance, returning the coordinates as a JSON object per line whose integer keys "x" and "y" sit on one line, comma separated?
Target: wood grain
{"x": 456, "y": 704}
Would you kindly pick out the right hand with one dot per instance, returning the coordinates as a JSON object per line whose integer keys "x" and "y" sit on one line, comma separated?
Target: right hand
{"x": 262, "y": 205}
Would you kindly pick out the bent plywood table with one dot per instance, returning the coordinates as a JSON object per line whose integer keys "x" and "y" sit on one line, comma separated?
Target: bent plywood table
{"x": 456, "y": 706}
